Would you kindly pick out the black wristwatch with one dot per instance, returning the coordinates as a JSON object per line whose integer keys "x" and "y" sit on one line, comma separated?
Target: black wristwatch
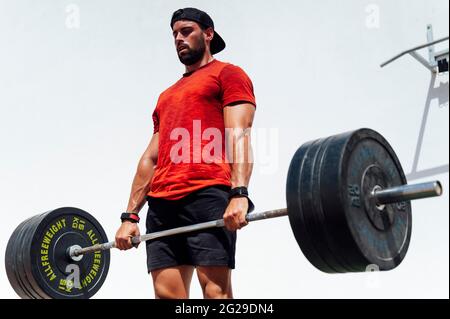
{"x": 242, "y": 192}
{"x": 130, "y": 217}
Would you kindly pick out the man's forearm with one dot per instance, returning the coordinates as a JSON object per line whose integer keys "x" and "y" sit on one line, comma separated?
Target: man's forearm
{"x": 240, "y": 174}
{"x": 241, "y": 170}
{"x": 238, "y": 120}
{"x": 141, "y": 185}
{"x": 242, "y": 165}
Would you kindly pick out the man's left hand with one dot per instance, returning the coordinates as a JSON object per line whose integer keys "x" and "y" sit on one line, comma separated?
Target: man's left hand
{"x": 235, "y": 213}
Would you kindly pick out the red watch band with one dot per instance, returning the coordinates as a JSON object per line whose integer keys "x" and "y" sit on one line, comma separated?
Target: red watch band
{"x": 132, "y": 217}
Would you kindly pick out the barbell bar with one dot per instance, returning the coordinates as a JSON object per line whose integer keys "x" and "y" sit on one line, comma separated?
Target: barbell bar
{"x": 382, "y": 196}
{"x": 348, "y": 203}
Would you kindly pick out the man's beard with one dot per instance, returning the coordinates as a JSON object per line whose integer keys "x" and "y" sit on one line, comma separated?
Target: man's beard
{"x": 193, "y": 55}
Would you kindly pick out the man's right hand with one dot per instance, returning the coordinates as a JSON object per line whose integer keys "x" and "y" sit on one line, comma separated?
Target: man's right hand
{"x": 123, "y": 236}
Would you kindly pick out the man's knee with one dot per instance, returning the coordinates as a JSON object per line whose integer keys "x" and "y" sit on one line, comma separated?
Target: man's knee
{"x": 214, "y": 291}
{"x": 215, "y": 282}
{"x": 169, "y": 292}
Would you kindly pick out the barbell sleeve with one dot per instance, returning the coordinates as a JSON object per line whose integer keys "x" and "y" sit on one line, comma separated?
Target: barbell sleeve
{"x": 407, "y": 192}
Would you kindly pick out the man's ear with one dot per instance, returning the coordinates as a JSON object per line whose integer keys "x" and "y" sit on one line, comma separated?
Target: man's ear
{"x": 209, "y": 33}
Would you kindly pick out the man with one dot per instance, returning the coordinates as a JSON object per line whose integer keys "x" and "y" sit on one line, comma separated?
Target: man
{"x": 207, "y": 181}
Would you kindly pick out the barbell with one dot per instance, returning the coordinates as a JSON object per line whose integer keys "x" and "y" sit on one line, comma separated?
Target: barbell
{"x": 348, "y": 204}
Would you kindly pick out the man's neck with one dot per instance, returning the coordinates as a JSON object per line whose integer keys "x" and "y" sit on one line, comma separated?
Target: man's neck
{"x": 205, "y": 60}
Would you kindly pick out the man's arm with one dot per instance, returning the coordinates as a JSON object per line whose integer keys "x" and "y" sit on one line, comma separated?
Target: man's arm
{"x": 238, "y": 118}
{"x": 139, "y": 190}
{"x": 144, "y": 174}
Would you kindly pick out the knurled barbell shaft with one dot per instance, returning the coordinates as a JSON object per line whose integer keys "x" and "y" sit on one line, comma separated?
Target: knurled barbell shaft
{"x": 383, "y": 196}
{"x": 180, "y": 230}
{"x": 408, "y": 192}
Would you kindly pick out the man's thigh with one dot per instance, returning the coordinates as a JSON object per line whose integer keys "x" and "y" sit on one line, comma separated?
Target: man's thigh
{"x": 215, "y": 282}
{"x": 173, "y": 282}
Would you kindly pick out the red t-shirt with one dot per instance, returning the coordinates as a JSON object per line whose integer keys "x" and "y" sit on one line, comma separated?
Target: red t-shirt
{"x": 186, "y": 109}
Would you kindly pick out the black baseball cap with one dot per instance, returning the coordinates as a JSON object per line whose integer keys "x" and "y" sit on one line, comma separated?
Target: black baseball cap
{"x": 201, "y": 17}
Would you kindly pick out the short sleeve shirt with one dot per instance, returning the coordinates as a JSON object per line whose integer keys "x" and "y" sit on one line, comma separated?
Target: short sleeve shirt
{"x": 189, "y": 118}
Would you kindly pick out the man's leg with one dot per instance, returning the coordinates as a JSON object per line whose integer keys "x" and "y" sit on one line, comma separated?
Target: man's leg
{"x": 215, "y": 282}
{"x": 172, "y": 283}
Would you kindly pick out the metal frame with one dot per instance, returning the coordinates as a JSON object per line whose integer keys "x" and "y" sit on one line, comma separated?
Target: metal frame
{"x": 433, "y": 56}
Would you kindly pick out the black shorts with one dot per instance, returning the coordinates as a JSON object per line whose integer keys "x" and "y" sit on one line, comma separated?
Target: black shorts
{"x": 210, "y": 247}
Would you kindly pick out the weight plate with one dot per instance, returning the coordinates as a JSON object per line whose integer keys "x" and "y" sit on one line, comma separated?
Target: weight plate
{"x": 11, "y": 262}
{"x": 303, "y": 216}
{"x": 23, "y": 249}
{"x": 37, "y": 262}
{"x": 326, "y": 227}
{"x": 354, "y": 164}
{"x": 336, "y": 222}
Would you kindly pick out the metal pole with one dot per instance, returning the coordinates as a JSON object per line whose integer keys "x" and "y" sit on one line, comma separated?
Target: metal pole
{"x": 407, "y": 192}
{"x": 181, "y": 230}
{"x": 413, "y": 49}
{"x": 383, "y": 196}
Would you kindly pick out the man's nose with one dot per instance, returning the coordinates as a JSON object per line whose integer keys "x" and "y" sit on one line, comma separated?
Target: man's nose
{"x": 179, "y": 38}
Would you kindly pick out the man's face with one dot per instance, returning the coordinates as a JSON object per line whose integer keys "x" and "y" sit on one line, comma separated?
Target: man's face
{"x": 190, "y": 41}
